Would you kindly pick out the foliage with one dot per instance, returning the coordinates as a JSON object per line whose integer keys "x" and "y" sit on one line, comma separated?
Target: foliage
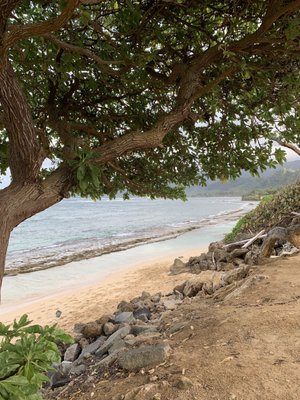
{"x": 239, "y": 227}
{"x": 26, "y": 354}
{"x": 126, "y": 67}
{"x": 273, "y": 210}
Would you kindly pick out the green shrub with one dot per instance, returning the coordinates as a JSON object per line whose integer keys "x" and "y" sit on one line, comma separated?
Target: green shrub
{"x": 273, "y": 210}
{"x": 26, "y": 355}
{"x": 239, "y": 227}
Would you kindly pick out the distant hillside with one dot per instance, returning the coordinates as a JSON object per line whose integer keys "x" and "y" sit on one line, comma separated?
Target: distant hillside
{"x": 270, "y": 179}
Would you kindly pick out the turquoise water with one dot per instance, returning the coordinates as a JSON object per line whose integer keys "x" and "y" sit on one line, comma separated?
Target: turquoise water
{"x": 81, "y": 228}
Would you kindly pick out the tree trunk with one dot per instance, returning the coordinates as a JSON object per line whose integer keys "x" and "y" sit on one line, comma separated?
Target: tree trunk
{"x": 19, "y": 202}
{"x": 290, "y": 234}
{"x": 4, "y": 238}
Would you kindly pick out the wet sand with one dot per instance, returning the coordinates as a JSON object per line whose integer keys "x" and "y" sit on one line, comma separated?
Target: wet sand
{"x": 90, "y": 302}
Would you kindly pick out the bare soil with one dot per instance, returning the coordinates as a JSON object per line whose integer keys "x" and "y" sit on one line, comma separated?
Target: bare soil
{"x": 243, "y": 348}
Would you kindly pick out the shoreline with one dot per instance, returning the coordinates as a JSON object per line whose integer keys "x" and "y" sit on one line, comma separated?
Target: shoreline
{"x": 93, "y": 253}
{"x": 88, "y": 302}
{"x": 84, "y": 289}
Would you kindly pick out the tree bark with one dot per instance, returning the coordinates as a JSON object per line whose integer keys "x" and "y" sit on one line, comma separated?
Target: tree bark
{"x": 4, "y": 238}
{"x": 20, "y": 201}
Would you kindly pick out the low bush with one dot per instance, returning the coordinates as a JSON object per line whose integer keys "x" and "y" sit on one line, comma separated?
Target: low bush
{"x": 27, "y": 353}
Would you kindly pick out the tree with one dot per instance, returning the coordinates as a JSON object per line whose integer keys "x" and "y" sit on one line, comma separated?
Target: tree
{"x": 143, "y": 97}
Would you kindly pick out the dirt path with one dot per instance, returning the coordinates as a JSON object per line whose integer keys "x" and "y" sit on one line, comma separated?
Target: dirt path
{"x": 243, "y": 348}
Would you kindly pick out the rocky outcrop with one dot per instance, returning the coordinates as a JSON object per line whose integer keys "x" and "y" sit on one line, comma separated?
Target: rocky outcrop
{"x": 135, "y": 336}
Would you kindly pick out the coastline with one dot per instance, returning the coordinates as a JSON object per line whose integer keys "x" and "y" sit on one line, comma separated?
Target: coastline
{"x": 35, "y": 264}
{"x": 86, "y": 303}
{"x": 87, "y": 288}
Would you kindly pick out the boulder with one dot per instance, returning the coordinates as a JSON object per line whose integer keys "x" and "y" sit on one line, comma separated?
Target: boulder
{"x": 171, "y": 304}
{"x": 208, "y": 279}
{"x": 235, "y": 275}
{"x": 119, "y": 334}
{"x": 105, "y": 318}
{"x": 220, "y": 255}
{"x": 125, "y": 306}
{"x": 93, "y": 347}
{"x": 58, "y": 379}
{"x": 72, "y": 352}
{"x": 239, "y": 253}
{"x": 92, "y": 329}
{"x": 109, "y": 328}
{"x": 179, "y": 288}
{"x": 142, "y": 313}
{"x": 201, "y": 263}
{"x": 144, "y": 356}
{"x": 178, "y": 267}
{"x": 140, "y": 329}
{"x": 110, "y": 359}
{"x": 125, "y": 317}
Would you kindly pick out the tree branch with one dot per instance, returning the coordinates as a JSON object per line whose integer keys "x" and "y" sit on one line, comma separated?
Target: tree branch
{"x": 288, "y": 145}
{"x": 26, "y": 154}
{"x": 18, "y": 32}
{"x": 6, "y": 7}
{"x": 103, "y": 64}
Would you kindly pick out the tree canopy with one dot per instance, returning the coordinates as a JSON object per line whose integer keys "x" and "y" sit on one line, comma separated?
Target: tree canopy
{"x": 147, "y": 96}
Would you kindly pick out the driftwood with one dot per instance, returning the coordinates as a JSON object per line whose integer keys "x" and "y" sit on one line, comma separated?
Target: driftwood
{"x": 295, "y": 213}
{"x": 290, "y": 234}
{"x": 252, "y": 240}
{"x": 245, "y": 241}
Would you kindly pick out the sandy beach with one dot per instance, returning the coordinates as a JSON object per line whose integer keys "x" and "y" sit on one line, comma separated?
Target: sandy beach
{"x": 90, "y": 302}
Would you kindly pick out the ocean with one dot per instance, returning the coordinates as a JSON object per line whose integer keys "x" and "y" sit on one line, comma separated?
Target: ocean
{"x": 87, "y": 241}
{"x": 77, "y": 229}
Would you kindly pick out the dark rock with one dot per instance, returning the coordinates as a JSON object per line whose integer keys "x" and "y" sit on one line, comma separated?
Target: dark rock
{"x": 220, "y": 255}
{"x": 92, "y": 329}
{"x": 72, "y": 352}
{"x": 125, "y": 317}
{"x": 239, "y": 253}
{"x": 125, "y": 306}
{"x": 145, "y": 356}
{"x": 109, "y": 328}
{"x": 78, "y": 369}
{"x": 142, "y": 313}
{"x": 179, "y": 288}
{"x": 140, "y": 329}
{"x": 178, "y": 267}
{"x": 110, "y": 359}
{"x": 65, "y": 367}
{"x": 58, "y": 379}
{"x": 93, "y": 347}
{"x": 238, "y": 261}
{"x": 119, "y": 334}
{"x": 105, "y": 319}
{"x": 117, "y": 345}
{"x": 201, "y": 263}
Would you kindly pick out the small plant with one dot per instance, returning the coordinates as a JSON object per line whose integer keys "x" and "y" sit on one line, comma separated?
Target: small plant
{"x": 27, "y": 353}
